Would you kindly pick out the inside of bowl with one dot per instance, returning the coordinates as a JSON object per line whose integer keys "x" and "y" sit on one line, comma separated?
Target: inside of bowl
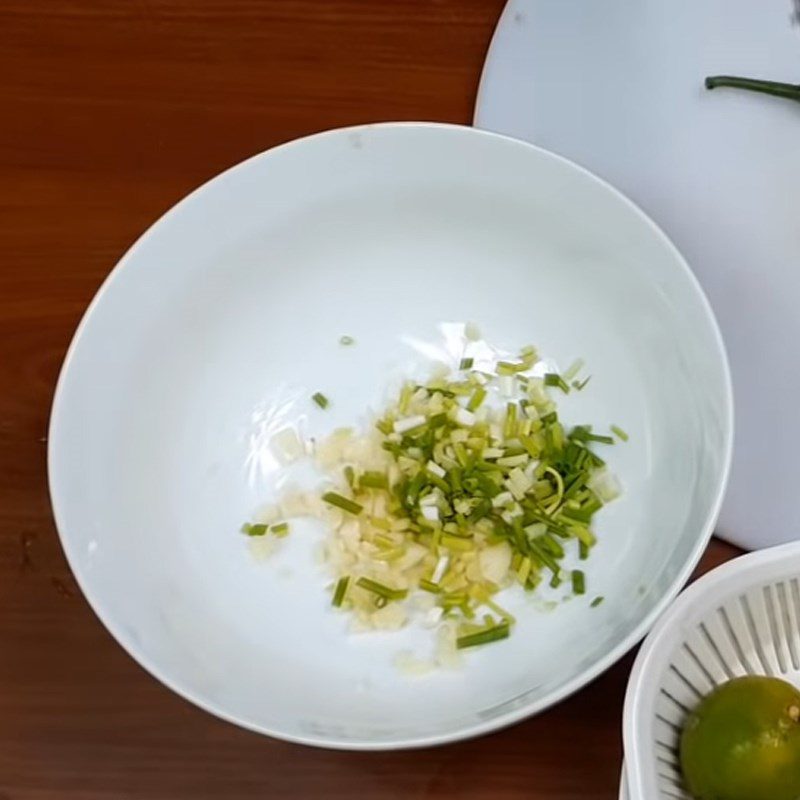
{"x": 226, "y": 317}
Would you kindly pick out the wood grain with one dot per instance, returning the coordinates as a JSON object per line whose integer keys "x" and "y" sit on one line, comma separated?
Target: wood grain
{"x": 112, "y": 110}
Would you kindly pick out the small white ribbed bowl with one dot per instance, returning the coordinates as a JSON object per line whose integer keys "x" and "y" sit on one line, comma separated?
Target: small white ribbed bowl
{"x": 742, "y": 618}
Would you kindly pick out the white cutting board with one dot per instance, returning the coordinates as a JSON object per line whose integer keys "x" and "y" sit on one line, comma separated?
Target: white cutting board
{"x": 617, "y": 85}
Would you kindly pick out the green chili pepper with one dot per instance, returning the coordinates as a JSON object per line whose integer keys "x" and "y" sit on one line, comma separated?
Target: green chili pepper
{"x": 789, "y": 91}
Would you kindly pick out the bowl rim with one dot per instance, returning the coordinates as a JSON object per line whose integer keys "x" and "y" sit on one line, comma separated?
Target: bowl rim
{"x": 504, "y": 719}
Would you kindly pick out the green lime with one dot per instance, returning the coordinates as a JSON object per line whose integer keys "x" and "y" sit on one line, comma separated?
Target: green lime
{"x": 742, "y": 742}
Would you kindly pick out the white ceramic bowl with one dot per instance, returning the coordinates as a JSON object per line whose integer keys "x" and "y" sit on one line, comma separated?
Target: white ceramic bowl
{"x": 227, "y": 314}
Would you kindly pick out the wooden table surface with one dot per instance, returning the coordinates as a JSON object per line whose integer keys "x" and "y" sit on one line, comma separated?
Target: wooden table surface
{"x": 111, "y": 111}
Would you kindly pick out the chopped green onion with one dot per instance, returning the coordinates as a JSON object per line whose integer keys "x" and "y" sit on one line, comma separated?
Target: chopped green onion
{"x": 552, "y": 379}
{"x": 439, "y": 483}
{"x": 280, "y": 529}
{"x": 485, "y": 636}
{"x": 346, "y": 340}
{"x": 335, "y": 499}
{"x": 552, "y": 546}
{"x": 580, "y": 433}
{"x": 454, "y": 599}
{"x": 511, "y": 420}
{"x": 596, "y": 602}
{"x": 373, "y": 480}
{"x": 615, "y": 429}
{"x": 573, "y": 369}
{"x": 546, "y": 559}
{"x": 512, "y": 461}
{"x": 381, "y": 590}
{"x": 581, "y": 385}
{"x": 437, "y": 420}
{"x": 583, "y": 433}
{"x": 452, "y": 478}
{"x": 320, "y": 399}
{"x": 507, "y": 368}
{"x": 409, "y": 424}
{"x": 529, "y": 443}
{"x": 341, "y": 590}
{"x": 254, "y": 530}
{"x": 456, "y": 543}
{"x": 478, "y": 396}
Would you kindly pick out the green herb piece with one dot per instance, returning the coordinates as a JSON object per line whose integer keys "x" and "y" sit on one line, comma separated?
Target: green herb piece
{"x": 583, "y": 433}
{"x": 335, "y": 499}
{"x": 254, "y": 530}
{"x": 573, "y": 369}
{"x": 507, "y": 368}
{"x": 466, "y": 363}
{"x": 619, "y": 433}
{"x": 550, "y": 418}
{"x": 373, "y": 480}
{"x": 485, "y": 636}
{"x": 596, "y": 602}
{"x": 454, "y": 599}
{"x": 386, "y": 592}
{"x": 510, "y": 425}
{"x": 478, "y": 396}
{"x": 346, "y": 340}
{"x": 578, "y": 582}
{"x": 544, "y": 557}
{"x": 529, "y": 443}
{"x": 320, "y": 399}
{"x": 552, "y": 546}
{"x": 438, "y": 420}
{"x": 456, "y": 543}
{"x": 280, "y": 529}
{"x": 524, "y": 570}
{"x": 340, "y": 592}
{"x": 552, "y": 379}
